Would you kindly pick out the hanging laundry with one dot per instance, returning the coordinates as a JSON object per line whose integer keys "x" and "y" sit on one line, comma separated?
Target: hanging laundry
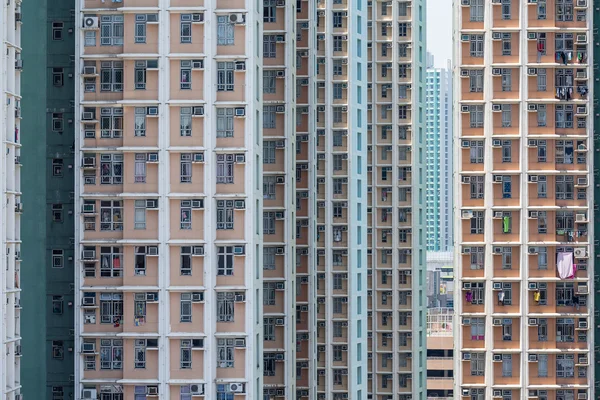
{"x": 501, "y": 296}
{"x": 506, "y": 224}
{"x": 536, "y": 296}
{"x": 469, "y": 297}
{"x": 564, "y": 265}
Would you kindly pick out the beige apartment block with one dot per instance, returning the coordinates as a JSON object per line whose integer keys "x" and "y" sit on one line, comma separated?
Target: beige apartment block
{"x": 523, "y": 132}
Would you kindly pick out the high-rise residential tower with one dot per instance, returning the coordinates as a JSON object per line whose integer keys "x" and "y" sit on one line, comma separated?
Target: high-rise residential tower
{"x": 439, "y": 158}
{"x": 246, "y": 176}
{"x": 47, "y": 228}
{"x": 396, "y": 199}
{"x": 11, "y": 65}
{"x": 523, "y": 150}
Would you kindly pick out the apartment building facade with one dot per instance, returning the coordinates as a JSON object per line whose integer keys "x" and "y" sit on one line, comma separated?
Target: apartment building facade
{"x": 47, "y": 233}
{"x": 439, "y": 159}
{"x": 11, "y": 66}
{"x": 523, "y": 139}
{"x": 230, "y": 180}
{"x": 172, "y": 297}
{"x": 396, "y": 173}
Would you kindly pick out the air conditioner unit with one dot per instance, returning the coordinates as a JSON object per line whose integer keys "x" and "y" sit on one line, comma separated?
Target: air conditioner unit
{"x": 532, "y": 285}
{"x": 197, "y": 297}
{"x": 89, "y": 70}
{"x": 496, "y": 107}
{"x": 580, "y": 252}
{"x": 532, "y": 322}
{"x": 498, "y": 214}
{"x": 197, "y": 389}
{"x": 87, "y": 116}
{"x": 89, "y": 347}
{"x": 583, "y": 324}
{"x": 532, "y": 107}
{"x": 466, "y": 356}
{"x": 152, "y": 390}
{"x": 198, "y": 17}
{"x": 467, "y": 214}
{"x": 240, "y": 65}
{"x": 496, "y": 71}
{"x": 531, "y": 71}
{"x": 197, "y": 64}
{"x": 89, "y": 394}
{"x": 89, "y": 254}
{"x": 580, "y": 218}
{"x": 496, "y": 143}
{"x": 497, "y": 322}
{"x": 533, "y": 214}
{"x": 197, "y": 251}
{"x": 91, "y": 23}
{"x": 496, "y": 35}
{"x": 464, "y": 38}
{"x": 581, "y": 38}
{"x": 496, "y": 358}
{"x": 581, "y": 181}
{"x": 496, "y": 286}
{"x": 532, "y": 36}
{"x": 497, "y": 178}
{"x": 236, "y": 387}
{"x": 238, "y": 18}
{"x": 533, "y": 250}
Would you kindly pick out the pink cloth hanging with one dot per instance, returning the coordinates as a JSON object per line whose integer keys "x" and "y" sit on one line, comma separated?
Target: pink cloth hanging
{"x": 564, "y": 265}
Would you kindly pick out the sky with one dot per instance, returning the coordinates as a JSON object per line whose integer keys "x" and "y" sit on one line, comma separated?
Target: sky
{"x": 439, "y": 31}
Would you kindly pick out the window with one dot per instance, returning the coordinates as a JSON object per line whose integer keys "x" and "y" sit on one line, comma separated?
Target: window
{"x": 57, "y": 167}
{"x": 57, "y": 30}
{"x": 269, "y": 46}
{"x": 90, "y": 38}
{"x": 477, "y": 10}
{"x": 185, "y": 307}
{"x": 564, "y": 152}
{"x": 269, "y": 182}
{"x": 111, "y": 30}
{"x": 58, "y": 258}
{"x": 185, "y": 261}
{"x": 337, "y": 67}
{"x": 269, "y": 117}
{"x": 476, "y": 152}
{"x": 185, "y": 208}
{"x": 140, "y": 122}
{"x": 111, "y": 76}
{"x": 57, "y": 305}
{"x": 111, "y": 215}
{"x": 58, "y": 76}
{"x": 185, "y": 393}
{"x": 225, "y": 353}
{"x": 140, "y": 28}
{"x": 507, "y": 252}
{"x": 225, "y": 79}
{"x": 111, "y": 354}
{"x": 564, "y": 10}
{"x": 225, "y": 260}
{"x": 269, "y": 80}
{"x": 338, "y": 162}
{"x": 337, "y": 91}
{"x": 185, "y": 121}
{"x": 506, "y": 187}
{"x": 476, "y": 45}
{"x": 338, "y": 187}
{"x": 185, "y": 28}
{"x": 542, "y": 117}
{"x": 269, "y": 258}
{"x": 269, "y": 329}
{"x": 476, "y": 79}
{"x": 477, "y": 222}
{"x": 225, "y": 214}
{"x": 337, "y": 19}
{"x": 185, "y": 168}
{"x": 223, "y": 393}
{"x": 506, "y": 82}
{"x": 565, "y": 330}
{"x": 506, "y": 44}
{"x": 140, "y": 168}
{"x": 140, "y": 260}
{"x": 268, "y": 223}
{"x": 563, "y": 42}
{"x": 476, "y": 116}
{"x": 477, "y": 184}
{"x": 541, "y": 9}
{"x": 139, "y": 351}
{"x": 403, "y": 29}
{"x": 477, "y": 364}
{"x": 185, "y": 82}
{"x": 185, "y": 348}
{"x": 542, "y": 222}
{"x": 542, "y": 365}
{"x": 269, "y": 364}
{"x": 111, "y": 123}
{"x": 111, "y": 308}
{"x": 506, "y": 365}
{"x": 542, "y": 264}
{"x": 506, "y": 151}
{"x": 542, "y": 81}
{"x": 337, "y": 210}
{"x": 269, "y": 11}
{"x": 564, "y": 187}
{"x": 542, "y": 188}
{"x": 140, "y": 75}
{"x": 57, "y": 122}
{"x": 225, "y": 31}
{"x": 269, "y": 293}
{"x": 565, "y": 365}
{"x": 563, "y": 116}
{"x": 58, "y": 349}
{"x": 477, "y": 257}
{"x": 225, "y": 306}
{"x": 225, "y": 168}
{"x": 111, "y": 261}
{"x": 477, "y": 328}
{"x": 269, "y": 152}
{"x": 542, "y": 330}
